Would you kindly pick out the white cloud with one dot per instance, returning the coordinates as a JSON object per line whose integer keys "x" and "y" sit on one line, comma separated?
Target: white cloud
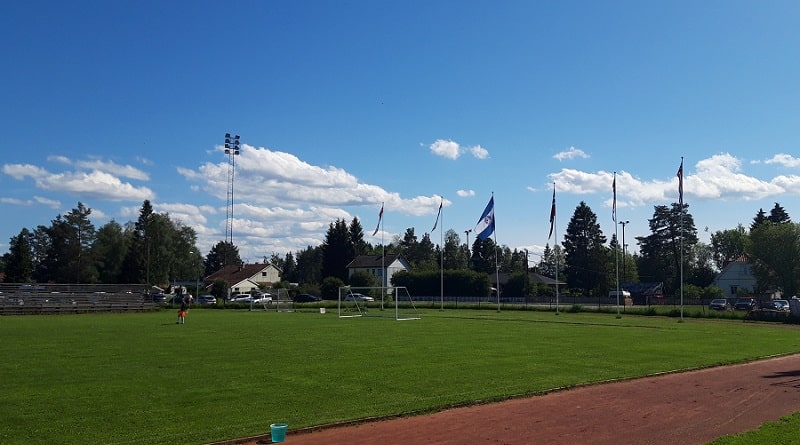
{"x": 125, "y": 171}
{"x": 453, "y": 150}
{"x": 718, "y": 177}
{"x": 97, "y": 184}
{"x": 479, "y": 152}
{"x": 570, "y": 153}
{"x": 784, "y": 160}
{"x": 15, "y": 201}
{"x": 465, "y": 193}
{"x": 446, "y": 149}
{"x": 52, "y": 203}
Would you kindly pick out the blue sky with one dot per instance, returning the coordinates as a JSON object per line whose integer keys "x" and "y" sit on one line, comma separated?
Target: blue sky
{"x": 343, "y": 106}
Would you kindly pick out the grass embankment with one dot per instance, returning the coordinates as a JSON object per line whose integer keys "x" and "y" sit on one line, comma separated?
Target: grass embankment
{"x": 142, "y": 379}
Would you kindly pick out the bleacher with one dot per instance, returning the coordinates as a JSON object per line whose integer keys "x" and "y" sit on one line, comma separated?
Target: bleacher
{"x": 30, "y": 299}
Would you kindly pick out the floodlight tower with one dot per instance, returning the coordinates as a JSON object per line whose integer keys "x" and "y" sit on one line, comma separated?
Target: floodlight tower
{"x": 232, "y": 150}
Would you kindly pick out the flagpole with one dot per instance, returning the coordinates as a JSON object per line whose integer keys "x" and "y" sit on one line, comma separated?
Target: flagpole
{"x": 553, "y": 227}
{"x": 680, "y": 205}
{"x": 616, "y": 234}
{"x": 441, "y": 260}
{"x": 496, "y": 268}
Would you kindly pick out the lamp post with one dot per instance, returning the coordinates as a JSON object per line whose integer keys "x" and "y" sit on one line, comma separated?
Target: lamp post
{"x": 623, "y": 223}
{"x": 467, "y": 232}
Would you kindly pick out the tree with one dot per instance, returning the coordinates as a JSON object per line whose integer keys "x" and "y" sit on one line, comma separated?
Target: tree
{"x": 584, "y": 251}
{"x": 760, "y": 218}
{"x": 109, "y": 250}
{"x": 456, "y": 255}
{"x": 309, "y": 265}
{"x": 778, "y": 215}
{"x": 356, "y": 232}
{"x": 136, "y": 266}
{"x": 775, "y": 255}
{"x": 221, "y": 254}
{"x": 484, "y": 254}
{"x": 337, "y": 251}
{"x": 289, "y": 269}
{"x": 728, "y": 245}
{"x": 19, "y": 259}
{"x": 672, "y": 228}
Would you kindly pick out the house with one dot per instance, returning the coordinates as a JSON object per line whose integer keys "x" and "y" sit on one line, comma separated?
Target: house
{"x": 245, "y": 278}
{"x": 382, "y": 267}
{"x": 736, "y": 276}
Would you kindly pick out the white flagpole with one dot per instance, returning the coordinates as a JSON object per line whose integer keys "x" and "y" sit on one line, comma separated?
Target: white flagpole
{"x": 441, "y": 258}
{"x": 680, "y": 205}
{"x": 555, "y": 231}
{"x": 496, "y": 268}
{"x": 616, "y": 236}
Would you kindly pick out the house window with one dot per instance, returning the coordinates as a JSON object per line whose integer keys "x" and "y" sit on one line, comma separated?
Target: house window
{"x": 263, "y": 274}
{"x": 734, "y": 288}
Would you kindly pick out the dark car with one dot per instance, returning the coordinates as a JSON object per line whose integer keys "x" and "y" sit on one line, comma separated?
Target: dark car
{"x": 306, "y": 298}
{"x": 745, "y": 304}
{"x": 719, "y": 304}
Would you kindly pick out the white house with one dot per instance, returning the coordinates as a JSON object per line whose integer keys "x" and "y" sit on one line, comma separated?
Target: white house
{"x": 383, "y": 267}
{"x": 246, "y": 277}
{"x": 736, "y": 276}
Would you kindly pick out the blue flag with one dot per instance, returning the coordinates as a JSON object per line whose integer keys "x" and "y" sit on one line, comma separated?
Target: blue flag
{"x": 485, "y": 226}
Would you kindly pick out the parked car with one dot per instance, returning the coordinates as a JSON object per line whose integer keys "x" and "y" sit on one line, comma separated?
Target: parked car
{"x": 262, "y": 298}
{"x": 242, "y": 298}
{"x": 745, "y": 304}
{"x": 306, "y": 298}
{"x": 206, "y": 300}
{"x": 777, "y": 305}
{"x": 358, "y": 297}
{"x": 719, "y": 304}
{"x": 159, "y": 298}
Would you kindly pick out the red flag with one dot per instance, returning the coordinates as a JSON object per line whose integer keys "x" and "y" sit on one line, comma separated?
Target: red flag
{"x": 552, "y": 213}
{"x": 680, "y": 183}
{"x": 380, "y": 217}
{"x": 614, "y": 204}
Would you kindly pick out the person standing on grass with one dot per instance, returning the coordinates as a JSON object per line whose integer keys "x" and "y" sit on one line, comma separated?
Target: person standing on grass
{"x": 182, "y": 311}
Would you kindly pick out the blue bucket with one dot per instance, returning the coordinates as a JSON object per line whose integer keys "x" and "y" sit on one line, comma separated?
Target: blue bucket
{"x": 278, "y": 432}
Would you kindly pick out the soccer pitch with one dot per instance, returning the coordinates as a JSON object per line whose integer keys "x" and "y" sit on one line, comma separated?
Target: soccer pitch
{"x": 142, "y": 379}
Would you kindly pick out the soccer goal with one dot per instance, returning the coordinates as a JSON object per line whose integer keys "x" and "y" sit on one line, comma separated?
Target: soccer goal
{"x": 388, "y": 302}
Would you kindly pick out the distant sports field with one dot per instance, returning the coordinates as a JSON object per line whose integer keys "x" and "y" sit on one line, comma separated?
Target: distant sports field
{"x": 142, "y": 379}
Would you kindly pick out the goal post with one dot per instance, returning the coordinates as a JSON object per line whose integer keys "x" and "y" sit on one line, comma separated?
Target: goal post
{"x": 387, "y": 302}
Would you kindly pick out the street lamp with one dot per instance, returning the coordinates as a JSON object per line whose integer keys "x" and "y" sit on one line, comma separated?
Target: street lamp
{"x": 623, "y": 223}
{"x": 467, "y": 232}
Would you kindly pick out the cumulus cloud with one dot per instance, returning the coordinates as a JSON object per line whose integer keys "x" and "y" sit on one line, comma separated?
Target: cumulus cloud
{"x": 453, "y": 150}
{"x": 784, "y": 160}
{"x": 465, "y": 193}
{"x": 717, "y": 177}
{"x": 94, "y": 184}
{"x": 570, "y": 153}
{"x": 125, "y": 171}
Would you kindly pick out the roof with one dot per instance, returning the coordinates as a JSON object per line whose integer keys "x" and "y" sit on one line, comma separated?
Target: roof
{"x": 235, "y": 273}
{"x": 374, "y": 261}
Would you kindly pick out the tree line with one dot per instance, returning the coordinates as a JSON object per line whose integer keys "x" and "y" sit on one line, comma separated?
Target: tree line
{"x": 155, "y": 249}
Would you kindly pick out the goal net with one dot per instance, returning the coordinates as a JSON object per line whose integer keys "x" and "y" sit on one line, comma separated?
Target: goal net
{"x": 387, "y": 302}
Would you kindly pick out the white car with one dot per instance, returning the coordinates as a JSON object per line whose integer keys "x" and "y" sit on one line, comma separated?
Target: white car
{"x": 262, "y": 298}
{"x": 358, "y": 297}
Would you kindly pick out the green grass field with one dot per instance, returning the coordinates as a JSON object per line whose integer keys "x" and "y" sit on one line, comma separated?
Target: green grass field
{"x": 142, "y": 379}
